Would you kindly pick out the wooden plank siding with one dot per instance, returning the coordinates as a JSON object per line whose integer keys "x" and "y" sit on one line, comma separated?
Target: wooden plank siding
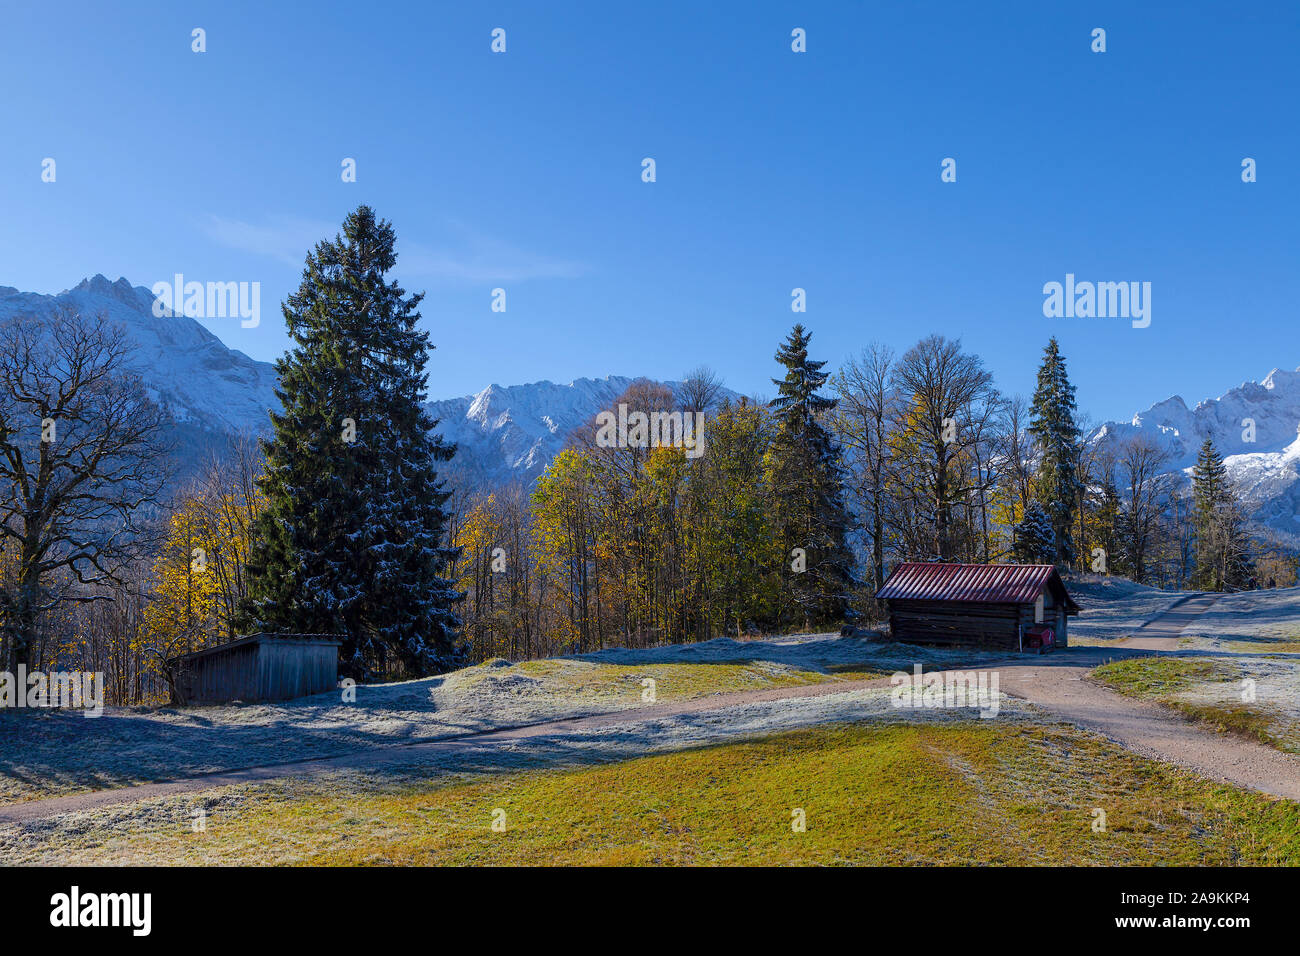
{"x": 259, "y": 667}
{"x": 939, "y": 622}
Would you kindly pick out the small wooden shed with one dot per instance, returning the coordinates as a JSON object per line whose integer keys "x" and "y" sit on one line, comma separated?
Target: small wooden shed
{"x": 987, "y": 605}
{"x": 258, "y": 667}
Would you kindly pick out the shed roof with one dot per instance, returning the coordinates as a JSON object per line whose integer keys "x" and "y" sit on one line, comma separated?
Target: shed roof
{"x": 218, "y": 649}
{"x": 980, "y": 583}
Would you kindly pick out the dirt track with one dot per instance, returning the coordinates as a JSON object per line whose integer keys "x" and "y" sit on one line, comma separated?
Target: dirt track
{"x": 1059, "y": 684}
{"x": 1153, "y": 731}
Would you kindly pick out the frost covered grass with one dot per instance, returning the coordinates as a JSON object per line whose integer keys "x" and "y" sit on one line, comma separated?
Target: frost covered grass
{"x": 1252, "y": 635}
{"x": 876, "y": 792}
{"x": 1211, "y": 690}
{"x": 1113, "y": 608}
{"x": 1253, "y": 622}
{"x": 48, "y": 753}
{"x": 818, "y": 653}
{"x": 604, "y": 686}
{"x": 1153, "y": 678}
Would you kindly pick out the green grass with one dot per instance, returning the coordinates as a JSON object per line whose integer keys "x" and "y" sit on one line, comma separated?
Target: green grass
{"x": 1157, "y": 677}
{"x": 1260, "y": 647}
{"x": 979, "y": 792}
{"x": 1240, "y": 719}
{"x": 862, "y": 671}
{"x": 1162, "y": 679}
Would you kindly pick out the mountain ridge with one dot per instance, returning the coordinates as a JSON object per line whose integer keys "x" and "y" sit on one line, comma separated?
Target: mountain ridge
{"x": 504, "y": 432}
{"x": 511, "y": 432}
{"x": 185, "y": 367}
{"x": 1255, "y": 426}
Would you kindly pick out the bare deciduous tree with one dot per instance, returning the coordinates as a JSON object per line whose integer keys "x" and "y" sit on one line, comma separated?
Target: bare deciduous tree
{"x": 862, "y": 423}
{"x": 1017, "y": 450}
{"x": 700, "y": 389}
{"x": 939, "y": 386}
{"x": 1146, "y": 489}
{"x": 81, "y": 464}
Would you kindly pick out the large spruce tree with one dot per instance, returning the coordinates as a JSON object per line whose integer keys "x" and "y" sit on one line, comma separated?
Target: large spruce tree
{"x": 1056, "y": 436}
{"x": 351, "y": 541}
{"x": 807, "y": 478}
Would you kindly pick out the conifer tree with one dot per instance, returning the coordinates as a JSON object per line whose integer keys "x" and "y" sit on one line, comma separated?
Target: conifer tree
{"x": 1209, "y": 480}
{"x": 1222, "y": 548}
{"x": 1056, "y": 435}
{"x": 807, "y": 481}
{"x": 1035, "y": 538}
{"x": 351, "y": 541}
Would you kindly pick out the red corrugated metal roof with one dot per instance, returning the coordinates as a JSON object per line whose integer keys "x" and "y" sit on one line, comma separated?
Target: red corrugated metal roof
{"x": 988, "y": 583}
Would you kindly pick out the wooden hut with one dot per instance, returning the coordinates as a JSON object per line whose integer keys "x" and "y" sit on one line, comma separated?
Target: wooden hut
{"x": 1002, "y": 606}
{"x": 258, "y": 667}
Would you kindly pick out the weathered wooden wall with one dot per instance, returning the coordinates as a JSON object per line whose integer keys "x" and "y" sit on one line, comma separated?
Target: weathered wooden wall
{"x": 260, "y": 667}
{"x": 956, "y": 622}
{"x": 997, "y": 626}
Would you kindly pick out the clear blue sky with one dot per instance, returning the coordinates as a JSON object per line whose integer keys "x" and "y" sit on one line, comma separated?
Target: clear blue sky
{"x": 775, "y": 170}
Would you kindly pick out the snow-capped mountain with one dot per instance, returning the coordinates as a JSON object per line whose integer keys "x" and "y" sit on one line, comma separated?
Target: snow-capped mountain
{"x": 513, "y": 432}
{"x": 517, "y": 430}
{"x": 212, "y": 391}
{"x": 1265, "y": 469}
{"x": 186, "y": 368}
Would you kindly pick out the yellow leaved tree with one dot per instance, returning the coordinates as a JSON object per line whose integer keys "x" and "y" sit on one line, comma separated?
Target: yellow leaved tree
{"x": 199, "y": 574}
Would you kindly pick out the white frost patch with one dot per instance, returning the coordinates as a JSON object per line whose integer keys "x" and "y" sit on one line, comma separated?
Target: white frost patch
{"x": 63, "y": 753}
{"x": 1274, "y": 693}
{"x": 820, "y": 653}
{"x": 1256, "y": 617}
{"x": 1113, "y": 608}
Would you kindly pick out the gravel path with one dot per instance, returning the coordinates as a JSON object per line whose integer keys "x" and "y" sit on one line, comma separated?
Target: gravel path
{"x": 1062, "y": 688}
{"x": 1055, "y": 683}
{"x": 1060, "y": 685}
